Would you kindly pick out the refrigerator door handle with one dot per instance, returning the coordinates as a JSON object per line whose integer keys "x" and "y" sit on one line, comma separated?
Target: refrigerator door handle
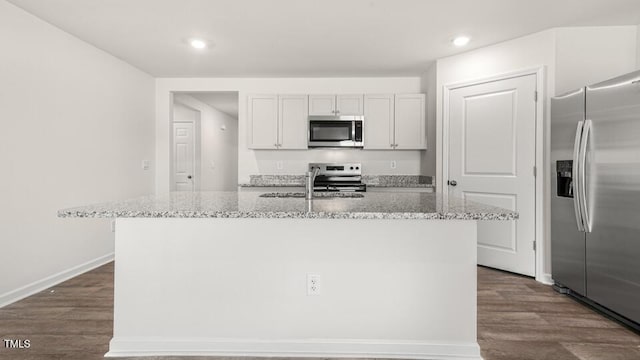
{"x": 576, "y": 177}
{"x": 586, "y": 133}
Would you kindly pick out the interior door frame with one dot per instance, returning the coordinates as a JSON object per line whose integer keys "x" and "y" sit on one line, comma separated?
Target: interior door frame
{"x": 540, "y": 154}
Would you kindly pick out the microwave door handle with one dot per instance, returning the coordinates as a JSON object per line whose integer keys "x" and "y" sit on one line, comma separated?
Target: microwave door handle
{"x": 577, "y": 207}
{"x": 353, "y": 131}
{"x": 586, "y": 133}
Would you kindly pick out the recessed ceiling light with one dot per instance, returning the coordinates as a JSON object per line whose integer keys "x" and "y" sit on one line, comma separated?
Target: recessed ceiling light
{"x": 461, "y": 41}
{"x": 197, "y": 43}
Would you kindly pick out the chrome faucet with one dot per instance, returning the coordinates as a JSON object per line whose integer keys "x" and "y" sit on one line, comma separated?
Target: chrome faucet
{"x": 309, "y": 180}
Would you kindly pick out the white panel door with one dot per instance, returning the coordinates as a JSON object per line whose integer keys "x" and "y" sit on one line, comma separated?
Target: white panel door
{"x": 492, "y": 158}
{"x": 410, "y": 122}
{"x": 293, "y": 114}
{"x": 322, "y": 104}
{"x": 183, "y": 156}
{"x": 350, "y": 105}
{"x": 378, "y": 121}
{"x": 263, "y": 121}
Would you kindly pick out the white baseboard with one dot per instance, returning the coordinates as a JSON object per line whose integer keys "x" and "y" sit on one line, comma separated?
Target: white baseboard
{"x": 135, "y": 346}
{"x": 545, "y": 279}
{"x": 42, "y": 284}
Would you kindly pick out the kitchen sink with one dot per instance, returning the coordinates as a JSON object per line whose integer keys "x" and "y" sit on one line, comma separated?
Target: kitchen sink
{"x": 316, "y": 195}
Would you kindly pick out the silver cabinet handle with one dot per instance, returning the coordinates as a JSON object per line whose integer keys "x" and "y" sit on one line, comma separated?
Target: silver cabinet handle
{"x": 576, "y": 176}
{"x": 586, "y": 132}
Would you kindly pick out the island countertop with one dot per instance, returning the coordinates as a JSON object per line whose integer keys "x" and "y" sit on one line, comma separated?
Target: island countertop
{"x": 380, "y": 205}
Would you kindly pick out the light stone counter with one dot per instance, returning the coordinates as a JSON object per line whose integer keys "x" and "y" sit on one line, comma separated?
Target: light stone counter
{"x": 373, "y": 205}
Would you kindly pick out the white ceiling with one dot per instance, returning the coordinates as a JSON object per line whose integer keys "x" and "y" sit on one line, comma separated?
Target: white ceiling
{"x": 225, "y": 101}
{"x": 264, "y": 38}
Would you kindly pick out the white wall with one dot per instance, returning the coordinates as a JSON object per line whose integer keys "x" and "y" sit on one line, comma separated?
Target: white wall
{"x": 76, "y": 124}
{"x": 183, "y": 113}
{"x": 218, "y": 147}
{"x": 264, "y": 161}
{"x": 587, "y": 55}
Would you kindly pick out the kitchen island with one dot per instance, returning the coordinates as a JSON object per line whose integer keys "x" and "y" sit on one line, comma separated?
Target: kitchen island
{"x": 386, "y": 275}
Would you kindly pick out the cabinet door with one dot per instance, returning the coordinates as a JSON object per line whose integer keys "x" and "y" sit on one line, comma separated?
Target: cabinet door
{"x": 399, "y": 189}
{"x": 378, "y": 121}
{"x": 350, "y": 105}
{"x": 410, "y": 122}
{"x": 263, "y": 121}
{"x": 293, "y": 121}
{"x": 322, "y": 104}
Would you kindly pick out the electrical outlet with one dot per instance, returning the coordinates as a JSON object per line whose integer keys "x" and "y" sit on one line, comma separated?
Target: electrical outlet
{"x": 113, "y": 226}
{"x": 279, "y": 165}
{"x": 313, "y": 284}
{"x": 146, "y": 164}
{"x": 393, "y": 164}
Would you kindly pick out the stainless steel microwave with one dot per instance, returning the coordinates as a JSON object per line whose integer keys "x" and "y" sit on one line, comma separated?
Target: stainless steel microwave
{"x": 336, "y": 131}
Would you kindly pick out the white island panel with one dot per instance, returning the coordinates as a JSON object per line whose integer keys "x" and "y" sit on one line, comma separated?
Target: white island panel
{"x": 237, "y": 287}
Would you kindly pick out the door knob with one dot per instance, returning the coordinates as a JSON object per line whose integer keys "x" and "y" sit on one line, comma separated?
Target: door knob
{"x": 452, "y": 183}
{"x": 189, "y": 176}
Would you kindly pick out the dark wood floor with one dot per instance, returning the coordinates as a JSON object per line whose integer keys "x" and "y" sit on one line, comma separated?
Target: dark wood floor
{"x": 518, "y": 318}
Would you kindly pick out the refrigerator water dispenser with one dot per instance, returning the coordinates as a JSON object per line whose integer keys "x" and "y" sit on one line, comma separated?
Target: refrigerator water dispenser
{"x": 564, "y": 172}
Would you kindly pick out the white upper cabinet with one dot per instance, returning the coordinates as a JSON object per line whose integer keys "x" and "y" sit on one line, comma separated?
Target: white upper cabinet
{"x": 395, "y": 122}
{"x": 352, "y": 104}
{"x": 391, "y": 122}
{"x": 410, "y": 123}
{"x": 378, "y": 121}
{"x": 322, "y": 104}
{"x": 263, "y": 121}
{"x": 278, "y": 121}
{"x": 293, "y": 121}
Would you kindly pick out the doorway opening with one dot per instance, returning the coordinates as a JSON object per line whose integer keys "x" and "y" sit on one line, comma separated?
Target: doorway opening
{"x": 204, "y": 148}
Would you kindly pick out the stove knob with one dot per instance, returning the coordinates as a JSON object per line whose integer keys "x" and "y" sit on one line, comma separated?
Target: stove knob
{"x": 351, "y": 168}
{"x": 357, "y": 167}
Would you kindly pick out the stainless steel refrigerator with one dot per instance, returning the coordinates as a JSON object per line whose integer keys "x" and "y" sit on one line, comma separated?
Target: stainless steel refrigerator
{"x": 595, "y": 200}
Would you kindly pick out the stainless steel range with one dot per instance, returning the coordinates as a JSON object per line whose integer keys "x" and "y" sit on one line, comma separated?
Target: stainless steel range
{"x": 338, "y": 177}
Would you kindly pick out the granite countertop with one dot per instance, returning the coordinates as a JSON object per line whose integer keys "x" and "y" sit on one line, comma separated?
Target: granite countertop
{"x": 381, "y": 205}
{"x": 400, "y": 181}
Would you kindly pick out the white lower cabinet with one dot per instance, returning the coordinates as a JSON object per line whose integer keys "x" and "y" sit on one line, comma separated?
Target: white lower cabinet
{"x": 400, "y": 189}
